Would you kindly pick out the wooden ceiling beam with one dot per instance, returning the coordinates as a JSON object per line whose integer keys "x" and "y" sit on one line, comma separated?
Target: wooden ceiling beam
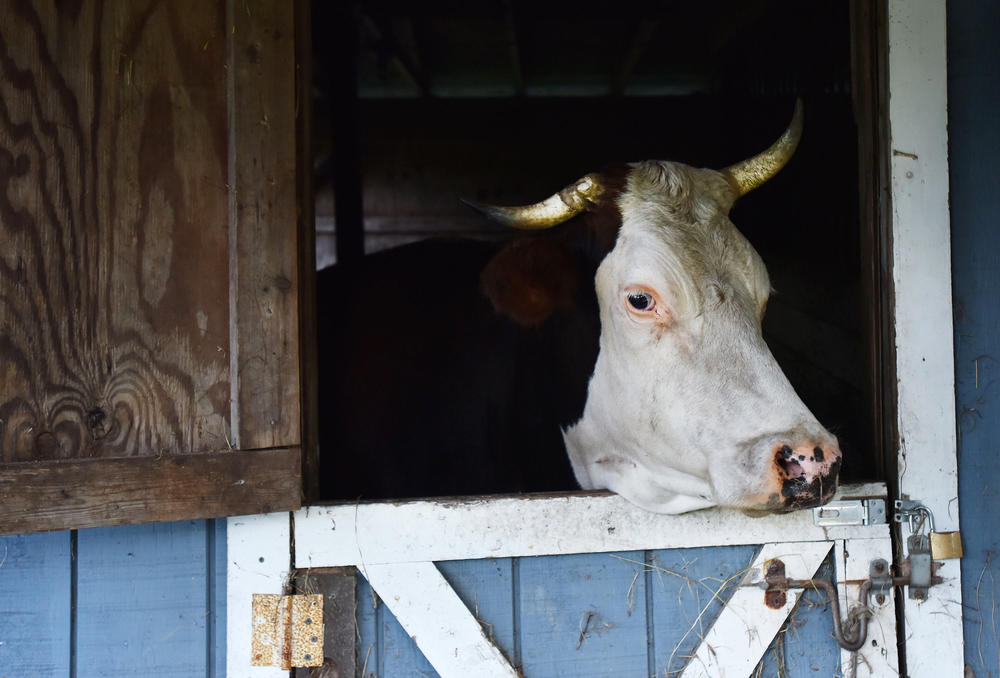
{"x": 643, "y": 32}
{"x": 513, "y": 47}
{"x": 387, "y": 44}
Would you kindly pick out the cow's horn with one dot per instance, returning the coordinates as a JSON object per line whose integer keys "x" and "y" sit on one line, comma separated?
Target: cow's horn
{"x": 751, "y": 173}
{"x": 550, "y": 212}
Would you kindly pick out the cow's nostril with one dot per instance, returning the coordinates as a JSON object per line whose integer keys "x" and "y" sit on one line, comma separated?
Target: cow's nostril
{"x": 786, "y": 461}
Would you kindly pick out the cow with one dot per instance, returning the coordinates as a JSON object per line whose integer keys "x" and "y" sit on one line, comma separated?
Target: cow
{"x": 617, "y": 345}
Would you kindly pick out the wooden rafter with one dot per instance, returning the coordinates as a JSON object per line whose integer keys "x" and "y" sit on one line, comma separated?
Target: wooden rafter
{"x": 644, "y": 30}
{"x": 386, "y": 43}
{"x": 513, "y": 48}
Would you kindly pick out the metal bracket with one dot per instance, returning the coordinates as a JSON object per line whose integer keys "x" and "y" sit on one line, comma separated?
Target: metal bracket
{"x": 911, "y": 511}
{"x": 847, "y": 512}
{"x": 918, "y": 569}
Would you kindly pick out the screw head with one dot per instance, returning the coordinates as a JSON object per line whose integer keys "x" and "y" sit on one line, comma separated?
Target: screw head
{"x": 774, "y": 599}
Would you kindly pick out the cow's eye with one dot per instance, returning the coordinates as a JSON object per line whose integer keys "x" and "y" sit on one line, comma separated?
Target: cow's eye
{"x": 640, "y": 301}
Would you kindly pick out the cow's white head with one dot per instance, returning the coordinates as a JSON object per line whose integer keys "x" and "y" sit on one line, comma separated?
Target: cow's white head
{"x": 687, "y": 407}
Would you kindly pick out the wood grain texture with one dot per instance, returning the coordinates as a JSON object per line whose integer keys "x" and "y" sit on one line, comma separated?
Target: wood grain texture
{"x": 263, "y": 243}
{"x": 112, "y": 283}
{"x": 148, "y": 274}
{"x": 90, "y": 493}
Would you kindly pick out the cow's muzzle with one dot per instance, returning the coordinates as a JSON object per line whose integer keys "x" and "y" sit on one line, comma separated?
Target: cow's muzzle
{"x": 808, "y": 474}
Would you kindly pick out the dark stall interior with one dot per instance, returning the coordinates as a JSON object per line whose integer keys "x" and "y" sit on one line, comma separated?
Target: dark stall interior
{"x": 505, "y": 102}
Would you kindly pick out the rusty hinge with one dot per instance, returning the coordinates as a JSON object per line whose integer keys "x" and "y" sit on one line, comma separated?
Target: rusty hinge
{"x": 287, "y": 630}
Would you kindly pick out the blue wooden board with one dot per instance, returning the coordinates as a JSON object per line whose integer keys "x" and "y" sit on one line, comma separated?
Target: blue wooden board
{"x": 583, "y": 615}
{"x": 974, "y": 158}
{"x": 621, "y": 614}
{"x": 35, "y": 578}
{"x": 687, "y": 588}
{"x": 144, "y": 599}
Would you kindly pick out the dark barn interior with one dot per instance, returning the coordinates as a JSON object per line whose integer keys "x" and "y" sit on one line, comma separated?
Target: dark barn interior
{"x": 419, "y": 104}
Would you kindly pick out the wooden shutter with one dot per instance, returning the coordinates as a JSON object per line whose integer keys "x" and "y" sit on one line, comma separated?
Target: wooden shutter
{"x": 149, "y": 356}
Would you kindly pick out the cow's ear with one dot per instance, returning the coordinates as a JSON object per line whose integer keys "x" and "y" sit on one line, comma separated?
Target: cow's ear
{"x": 530, "y": 278}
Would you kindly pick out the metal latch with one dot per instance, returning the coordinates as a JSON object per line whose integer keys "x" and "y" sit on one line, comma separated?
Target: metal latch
{"x": 776, "y": 587}
{"x": 942, "y": 545}
{"x": 847, "y": 512}
{"x": 918, "y": 571}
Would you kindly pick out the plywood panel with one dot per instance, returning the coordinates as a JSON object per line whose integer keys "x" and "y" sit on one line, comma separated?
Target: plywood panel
{"x": 143, "y": 599}
{"x": 148, "y": 279}
{"x": 114, "y": 297}
{"x": 35, "y": 579}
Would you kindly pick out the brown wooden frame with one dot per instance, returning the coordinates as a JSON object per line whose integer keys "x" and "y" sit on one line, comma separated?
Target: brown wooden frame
{"x": 149, "y": 268}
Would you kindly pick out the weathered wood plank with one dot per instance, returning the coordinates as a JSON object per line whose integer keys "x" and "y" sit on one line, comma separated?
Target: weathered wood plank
{"x": 433, "y": 616}
{"x": 263, "y": 239}
{"x": 86, "y": 493}
{"x": 686, "y": 589}
{"x": 35, "y": 584}
{"x": 307, "y": 253}
{"x": 338, "y": 585}
{"x": 589, "y": 620}
{"x": 148, "y": 279}
{"x": 746, "y": 627}
{"x": 974, "y": 164}
{"x": 582, "y": 522}
{"x": 485, "y": 587}
{"x": 114, "y": 325}
{"x": 218, "y": 554}
{"x": 488, "y": 589}
{"x": 805, "y": 645}
{"x": 142, "y": 600}
{"x": 258, "y": 562}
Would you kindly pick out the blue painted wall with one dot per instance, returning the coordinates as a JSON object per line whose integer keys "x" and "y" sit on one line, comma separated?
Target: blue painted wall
{"x": 974, "y": 152}
{"x": 136, "y": 600}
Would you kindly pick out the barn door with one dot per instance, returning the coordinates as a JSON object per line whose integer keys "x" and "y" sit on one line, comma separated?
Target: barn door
{"x": 149, "y": 360}
{"x": 426, "y": 561}
{"x": 488, "y": 588}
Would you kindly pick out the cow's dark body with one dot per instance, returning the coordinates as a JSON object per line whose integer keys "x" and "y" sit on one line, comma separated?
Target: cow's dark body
{"x": 425, "y": 390}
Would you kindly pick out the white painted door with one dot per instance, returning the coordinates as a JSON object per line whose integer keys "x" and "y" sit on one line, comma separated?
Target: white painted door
{"x": 395, "y": 546}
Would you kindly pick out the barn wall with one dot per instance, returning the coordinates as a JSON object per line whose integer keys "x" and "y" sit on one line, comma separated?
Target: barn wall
{"x": 143, "y": 599}
{"x": 973, "y": 100}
